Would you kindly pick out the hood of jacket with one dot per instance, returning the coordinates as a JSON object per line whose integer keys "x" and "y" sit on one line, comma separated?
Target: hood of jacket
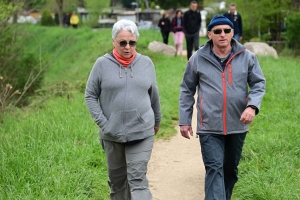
{"x": 130, "y": 66}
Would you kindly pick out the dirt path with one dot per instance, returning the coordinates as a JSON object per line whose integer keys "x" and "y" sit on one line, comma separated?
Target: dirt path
{"x": 176, "y": 170}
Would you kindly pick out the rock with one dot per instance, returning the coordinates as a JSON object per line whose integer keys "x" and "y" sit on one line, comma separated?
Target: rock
{"x": 160, "y": 47}
{"x": 261, "y": 48}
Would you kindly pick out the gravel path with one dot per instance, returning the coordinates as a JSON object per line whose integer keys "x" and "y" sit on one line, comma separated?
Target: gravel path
{"x": 176, "y": 170}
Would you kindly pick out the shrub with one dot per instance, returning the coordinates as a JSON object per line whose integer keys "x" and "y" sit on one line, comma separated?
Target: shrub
{"x": 292, "y": 30}
{"x": 47, "y": 19}
{"x": 21, "y": 72}
{"x": 266, "y": 37}
{"x": 152, "y": 5}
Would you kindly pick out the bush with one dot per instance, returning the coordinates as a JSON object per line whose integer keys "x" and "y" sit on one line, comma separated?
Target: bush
{"x": 292, "y": 30}
{"x": 266, "y": 37}
{"x": 47, "y": 19}
{"x": 152, "y": 5}
{"x": 92, "y": 21}
{"x": 20, "y": 70}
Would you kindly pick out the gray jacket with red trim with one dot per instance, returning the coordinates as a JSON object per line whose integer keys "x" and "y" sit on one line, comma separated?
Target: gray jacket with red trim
{"x": 223, "y": 95}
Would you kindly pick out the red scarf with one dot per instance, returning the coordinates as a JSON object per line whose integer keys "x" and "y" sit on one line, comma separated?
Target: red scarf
{"x": 123, "y": 61}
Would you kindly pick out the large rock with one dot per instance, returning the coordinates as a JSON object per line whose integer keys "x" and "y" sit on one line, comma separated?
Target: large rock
{"x": 160, "y": 47}
{"x": 261, "y": 48}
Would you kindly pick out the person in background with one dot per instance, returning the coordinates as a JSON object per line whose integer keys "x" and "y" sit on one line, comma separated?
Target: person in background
{"x": 122, "y": 97}
{"x": 191, "y": 27}
{"x": 230, "y": 86}
{"x": 236, "y": 19}
{"x": 74, "y": 20}
{"x": 177, "y": 30}
{"x": 165, "y": 27}
{"x": 67, "y": 19}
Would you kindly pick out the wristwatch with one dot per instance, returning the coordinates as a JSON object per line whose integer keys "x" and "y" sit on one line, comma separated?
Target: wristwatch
{"x": 253, "y": 107}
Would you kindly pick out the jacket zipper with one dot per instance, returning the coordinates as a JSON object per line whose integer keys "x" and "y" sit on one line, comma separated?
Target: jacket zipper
{"x": 224, "y": 102}
{"x": 228, "y": 65}
{"x": 126, "y": 87}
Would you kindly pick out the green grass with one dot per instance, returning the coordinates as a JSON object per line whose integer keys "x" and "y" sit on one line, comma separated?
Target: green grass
{"x": 270, "y": 166}
{"x": 52, "y": 153}
{"x": 51, "y": 150}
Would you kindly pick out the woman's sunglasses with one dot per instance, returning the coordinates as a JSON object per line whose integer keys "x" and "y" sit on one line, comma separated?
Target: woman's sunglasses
{"x": 219, "y": 31}
{"x": 123, "y": 43}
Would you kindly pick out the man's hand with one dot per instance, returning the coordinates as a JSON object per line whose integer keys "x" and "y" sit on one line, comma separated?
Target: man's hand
{"x": 184, "y": 130}
{"x": 248, "y": 115}
{"x": 156, "y": 130}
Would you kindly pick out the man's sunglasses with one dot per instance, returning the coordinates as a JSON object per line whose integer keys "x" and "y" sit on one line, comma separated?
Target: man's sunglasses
{"x": 219, "y": 31}
{"x": 124, "y": 43}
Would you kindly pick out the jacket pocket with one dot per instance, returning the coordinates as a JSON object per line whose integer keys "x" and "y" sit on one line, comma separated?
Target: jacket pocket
{"x": 114, "y": 125}
{"x": 129, "y": 121}
{"x": 211, "y": 114}
{"x": 135, "y": 122}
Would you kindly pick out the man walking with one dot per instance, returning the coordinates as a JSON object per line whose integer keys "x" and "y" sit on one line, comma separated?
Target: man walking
{"x": 191, "y": 28}
{"x": 236, "y": 20}
{"x": 221, "y": 71}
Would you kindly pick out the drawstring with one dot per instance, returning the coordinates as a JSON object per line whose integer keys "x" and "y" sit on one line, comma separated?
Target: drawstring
{"x": 120, "y": 71}
{"x": 120, "y": 67}
{"x": 131, "y": 74}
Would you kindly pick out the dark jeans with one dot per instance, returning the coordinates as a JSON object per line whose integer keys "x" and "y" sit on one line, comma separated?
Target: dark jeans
{"x": 221, "y": 155}
{"x": 192, "y": 40}
{"x": 165, "y": 36}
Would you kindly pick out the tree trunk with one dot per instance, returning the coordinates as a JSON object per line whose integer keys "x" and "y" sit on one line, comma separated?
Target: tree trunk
{"x": 60, "y": 6}
{"x": 147, "y": 4}
{"x": 296, "y": 3}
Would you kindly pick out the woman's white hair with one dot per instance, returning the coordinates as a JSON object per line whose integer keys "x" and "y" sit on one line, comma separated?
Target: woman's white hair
{"x": 127, "y": 25}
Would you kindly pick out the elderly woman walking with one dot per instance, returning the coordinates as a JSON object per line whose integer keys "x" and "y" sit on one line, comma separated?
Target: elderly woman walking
{"x": 122, "y": 97}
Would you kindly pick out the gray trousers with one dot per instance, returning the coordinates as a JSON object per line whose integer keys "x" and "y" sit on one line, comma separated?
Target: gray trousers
{"x": 127, "y": 168}
{"x": 221, "y": 155}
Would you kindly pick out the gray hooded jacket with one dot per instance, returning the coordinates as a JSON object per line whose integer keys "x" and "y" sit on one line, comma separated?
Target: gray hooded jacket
{"x": 123, "y": 101}
{"x": 223, "y": 95}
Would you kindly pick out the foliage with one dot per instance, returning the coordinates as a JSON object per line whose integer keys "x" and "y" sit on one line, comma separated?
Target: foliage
{"x": 143, "y": 7}
{"x": 6, "y": 10}
{"x": 35, "y": 4}
{"x": 127, "y": 3}
{"x": 152, "y": 5}
{"x": 167, "y": 4}
{"x": 21, "y": 72}
{"x": 292, "y": 33}
{"x": 268, "y": 17}
{"x": 47, "y": 19}
{"x": 95, "y": 8}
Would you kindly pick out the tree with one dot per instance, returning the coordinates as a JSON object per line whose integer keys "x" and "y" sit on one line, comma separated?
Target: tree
{"x": 293, "y": 27}
{"x": 95, "y": 8}
{"x": 268, "y": 17}
{"x": 60, "y": 8}
{"x": 167, "y": 4}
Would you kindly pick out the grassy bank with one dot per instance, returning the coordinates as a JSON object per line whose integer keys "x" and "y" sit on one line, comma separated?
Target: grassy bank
{"x": 51, "y": 150}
